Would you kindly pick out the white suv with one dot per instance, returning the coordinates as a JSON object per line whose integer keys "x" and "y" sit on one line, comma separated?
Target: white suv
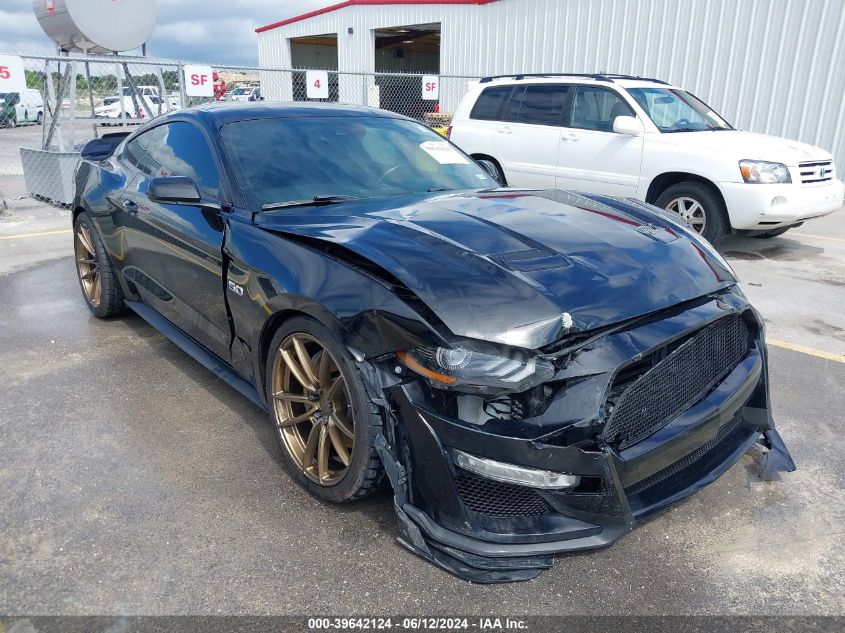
{"x": 631, "y": 137}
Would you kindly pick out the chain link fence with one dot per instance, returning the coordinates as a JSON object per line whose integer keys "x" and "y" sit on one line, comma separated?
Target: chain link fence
{"x": 71, "y": 100}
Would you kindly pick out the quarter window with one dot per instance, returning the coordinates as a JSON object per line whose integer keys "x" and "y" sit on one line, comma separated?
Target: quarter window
{"x": 175, "y": 149}
{"x": 490, "y": 103}
{"x": 596, "y": 108}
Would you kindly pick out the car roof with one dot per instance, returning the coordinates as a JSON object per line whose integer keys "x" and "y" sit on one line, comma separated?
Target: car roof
{"x": 229, "y": 111}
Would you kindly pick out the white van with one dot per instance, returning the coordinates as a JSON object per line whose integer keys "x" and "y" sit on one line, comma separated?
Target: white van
{"x": 26, "y": 106}
{"x": 626, "y": 136}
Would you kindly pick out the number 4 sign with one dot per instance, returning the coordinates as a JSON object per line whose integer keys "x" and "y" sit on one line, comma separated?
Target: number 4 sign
{"x": 12, "y": 78}
{"x": 317, "y": 84}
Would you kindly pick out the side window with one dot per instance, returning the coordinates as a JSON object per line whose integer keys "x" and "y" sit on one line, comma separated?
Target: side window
{"x": 490, "y": 103}
{"x": 543, "y": 104}
{"x": 596, "y": 108}
{"x": 511, "y": 112}
{"x": 175, "y": 149}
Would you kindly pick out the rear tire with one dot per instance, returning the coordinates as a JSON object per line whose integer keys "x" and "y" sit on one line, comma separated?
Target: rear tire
{"x": 334, "y": 411}
{"x": 770, "y": 234}
{"x": 700, "y": 206}
{"x": 39, "y": 119}
{"x": 97, "y": 278}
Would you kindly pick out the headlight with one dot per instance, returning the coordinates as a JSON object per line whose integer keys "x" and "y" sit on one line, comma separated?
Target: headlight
{"x": 763, "y": 172}
{"x": 473, "y": 371}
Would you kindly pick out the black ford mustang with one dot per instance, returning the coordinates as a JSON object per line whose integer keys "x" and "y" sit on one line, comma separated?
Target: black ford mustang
{"x": 531, "y": 371}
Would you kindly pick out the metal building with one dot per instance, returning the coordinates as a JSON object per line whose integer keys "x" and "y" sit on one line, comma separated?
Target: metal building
{"x": 773, "y": 66}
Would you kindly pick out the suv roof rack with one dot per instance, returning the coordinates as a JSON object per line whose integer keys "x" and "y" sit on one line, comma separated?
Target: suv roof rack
{"x": 608, "y": 77}
{"x": 518, "y": 76}
{"x": 635, "y": 77}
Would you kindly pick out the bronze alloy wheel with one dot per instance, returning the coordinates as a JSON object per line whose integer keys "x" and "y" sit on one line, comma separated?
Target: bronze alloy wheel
{"x": 87, "y": 265}
{"x": 312, "y": 409}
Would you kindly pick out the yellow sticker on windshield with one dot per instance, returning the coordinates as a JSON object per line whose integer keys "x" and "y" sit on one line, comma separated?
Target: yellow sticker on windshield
{"x": 443, "y": 153}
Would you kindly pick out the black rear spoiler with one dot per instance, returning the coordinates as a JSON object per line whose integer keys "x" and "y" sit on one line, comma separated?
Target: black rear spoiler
{"x": 101, "y": 148}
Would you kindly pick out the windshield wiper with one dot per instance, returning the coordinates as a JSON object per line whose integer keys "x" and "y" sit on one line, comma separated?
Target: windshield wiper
{"x": 316, "y": 201}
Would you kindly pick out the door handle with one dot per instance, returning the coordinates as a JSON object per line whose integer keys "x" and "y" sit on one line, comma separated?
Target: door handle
{"x": 129, "y": 206}
{"x": 569, "y": 137}
{"x": 504, "y": 130}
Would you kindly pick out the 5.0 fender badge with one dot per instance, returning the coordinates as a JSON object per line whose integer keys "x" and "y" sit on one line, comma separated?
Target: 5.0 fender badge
{"x": 238, "y": 290}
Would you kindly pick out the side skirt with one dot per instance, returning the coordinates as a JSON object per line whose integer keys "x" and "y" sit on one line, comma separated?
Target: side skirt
{"x": 196, "y": 351}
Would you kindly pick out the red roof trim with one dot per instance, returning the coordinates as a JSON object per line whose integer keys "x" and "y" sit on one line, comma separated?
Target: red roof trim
{"x": 349, "y": 3}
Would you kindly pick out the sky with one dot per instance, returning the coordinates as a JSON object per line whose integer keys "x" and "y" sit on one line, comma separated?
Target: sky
{"x": 221, "y": 31}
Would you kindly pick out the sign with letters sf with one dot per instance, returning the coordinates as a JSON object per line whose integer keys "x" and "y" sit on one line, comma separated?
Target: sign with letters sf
{"x": 430, "y": 87}
{"x": 199, "y": 81}
{"x": 12, "y": 78}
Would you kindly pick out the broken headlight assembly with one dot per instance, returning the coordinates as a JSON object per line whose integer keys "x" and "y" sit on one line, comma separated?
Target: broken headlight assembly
{"x": 472, "y": 371}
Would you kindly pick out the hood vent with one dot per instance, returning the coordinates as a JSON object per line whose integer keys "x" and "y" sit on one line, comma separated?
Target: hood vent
{"x": 657, "y": 233}
{"x": 531, "y": 259}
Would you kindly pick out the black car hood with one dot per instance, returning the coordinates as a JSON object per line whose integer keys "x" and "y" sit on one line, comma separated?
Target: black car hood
{"x": 517, "y": 267}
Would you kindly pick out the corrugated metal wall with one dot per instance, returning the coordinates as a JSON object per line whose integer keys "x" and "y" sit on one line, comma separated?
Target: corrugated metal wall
{"x": 773, "y": 66}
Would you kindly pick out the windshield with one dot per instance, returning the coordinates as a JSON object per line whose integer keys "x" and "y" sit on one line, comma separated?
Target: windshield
{"x": 241, "y": 91}
{"x": 287, "y": 159}
{"x": 677, "y": 110}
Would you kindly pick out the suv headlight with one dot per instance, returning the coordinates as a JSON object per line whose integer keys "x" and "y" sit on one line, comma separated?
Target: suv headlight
{"x": 476, "y": 372}
{"x": 763, "y": 172}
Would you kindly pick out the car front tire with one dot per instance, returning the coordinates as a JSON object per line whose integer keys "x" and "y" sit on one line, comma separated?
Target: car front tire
{"x": 324, "y": 419}
{"x": 700, "y": 206}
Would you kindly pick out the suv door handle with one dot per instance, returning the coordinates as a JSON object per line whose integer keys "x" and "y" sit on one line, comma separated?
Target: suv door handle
{"x": 504, "y": 130}
{"x": 569, "y": 136}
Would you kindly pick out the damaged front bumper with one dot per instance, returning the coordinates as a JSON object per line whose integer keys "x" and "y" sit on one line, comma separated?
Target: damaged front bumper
{"x": 488, "y": 531}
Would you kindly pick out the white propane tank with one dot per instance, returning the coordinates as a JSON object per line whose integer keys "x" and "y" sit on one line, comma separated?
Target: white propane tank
{"x": 96, "y": 26}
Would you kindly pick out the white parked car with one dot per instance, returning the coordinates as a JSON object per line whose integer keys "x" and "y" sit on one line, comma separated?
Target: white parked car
{"x": 26, "y": 106}
{"x": 643, "y": 138}
{"x": 245, "y": 93}
{"x": 111, "y": 107}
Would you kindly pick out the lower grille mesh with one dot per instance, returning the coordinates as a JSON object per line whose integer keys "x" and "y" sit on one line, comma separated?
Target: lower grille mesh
{"x": 677, "y": 382}
{"x": 497, "y": 499}
{"x": 685, "y": 462}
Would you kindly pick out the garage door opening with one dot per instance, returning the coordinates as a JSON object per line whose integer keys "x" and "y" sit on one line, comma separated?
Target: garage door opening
{"x": 317, "y": 52}
{"x": 406, "y": 49}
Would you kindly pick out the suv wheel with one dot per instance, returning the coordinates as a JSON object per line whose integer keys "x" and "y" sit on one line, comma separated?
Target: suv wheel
{"x": 699, "y": 206}
{"x": 493, "y": 168}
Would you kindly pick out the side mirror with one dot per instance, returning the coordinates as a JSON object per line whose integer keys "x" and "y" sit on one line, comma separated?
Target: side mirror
{"x": 629, "y": 125}
{"x": 174, "y": 189}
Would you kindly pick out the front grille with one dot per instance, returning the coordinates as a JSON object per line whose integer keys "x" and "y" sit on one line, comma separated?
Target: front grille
{"x": 816, "y": 172}
{"x": 685, "y": 462}
{"x": 677, "y": 382}
{"x": 497, "y": 499}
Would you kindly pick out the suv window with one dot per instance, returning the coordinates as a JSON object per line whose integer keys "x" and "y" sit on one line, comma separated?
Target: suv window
{"x": 489, "y": 105}
{"x": 175, "y": 149}
{"x": 595, "y": 108}
{"x": 543, "y": 104}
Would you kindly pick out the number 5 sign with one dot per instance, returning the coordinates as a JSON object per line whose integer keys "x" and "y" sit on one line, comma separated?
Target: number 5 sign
{"x": 317, "y": 84}
{"x": 199, "y": 81}
{"x": 12, "y": 78}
